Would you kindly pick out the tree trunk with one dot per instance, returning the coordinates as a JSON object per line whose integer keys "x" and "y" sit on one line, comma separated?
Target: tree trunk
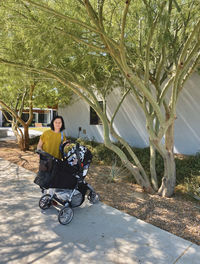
{"x": 22, "y": 138}
{"x": 144, "y": 183}
{"x": 18, "y": 134}
{"x": 154, "y": 180}
{"x": 20, "y": 141}
{"x": 26, "y": 137}
{"x": 169, "y": 178}
{"x": 140, "y": 174}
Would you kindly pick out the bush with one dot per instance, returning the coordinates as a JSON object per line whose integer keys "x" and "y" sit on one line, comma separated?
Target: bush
{"x": 6, "y": 124}
{"x": 34, "y": 140}
{"x": 104, "y": 155}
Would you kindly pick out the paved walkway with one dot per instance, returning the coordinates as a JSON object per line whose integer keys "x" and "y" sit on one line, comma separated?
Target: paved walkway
{"x": 6, "y": 133}
{"x": 98, "y": 234}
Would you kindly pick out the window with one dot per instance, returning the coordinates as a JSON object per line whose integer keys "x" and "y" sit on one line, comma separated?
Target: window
{"x": 54, "y": 113}
{"x": 25, "y": 117}
{"x": 94, "y": 118}
{"x": 42, "y": 118}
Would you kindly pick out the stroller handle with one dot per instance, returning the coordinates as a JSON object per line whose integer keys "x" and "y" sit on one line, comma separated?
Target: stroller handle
{"x": 43, "y": 153}
{"x": 64, "y": 144}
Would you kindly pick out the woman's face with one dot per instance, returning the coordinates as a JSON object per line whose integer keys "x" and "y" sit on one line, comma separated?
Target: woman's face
{"x": 57, "y": 124}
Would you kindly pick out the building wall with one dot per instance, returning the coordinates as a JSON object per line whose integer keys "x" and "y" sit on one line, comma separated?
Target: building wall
{"x": 77, "y": 115}
{"x": 187, "y": 124}
{"x": 43, "y": 116}
{"x": 1, "y": 119}
{"x": 130, "y": 121}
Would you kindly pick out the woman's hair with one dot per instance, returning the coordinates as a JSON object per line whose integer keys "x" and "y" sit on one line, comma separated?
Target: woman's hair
{"x": 57, "y": 117}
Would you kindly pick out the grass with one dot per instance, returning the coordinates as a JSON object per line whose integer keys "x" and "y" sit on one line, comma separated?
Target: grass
{"x": 41, "y": 129}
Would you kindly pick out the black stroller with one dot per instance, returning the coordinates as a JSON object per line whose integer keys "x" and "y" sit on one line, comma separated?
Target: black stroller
{"x": 65, "y": 181}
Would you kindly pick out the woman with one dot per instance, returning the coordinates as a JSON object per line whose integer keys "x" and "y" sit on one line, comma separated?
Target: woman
{"x": 51, "y": 139}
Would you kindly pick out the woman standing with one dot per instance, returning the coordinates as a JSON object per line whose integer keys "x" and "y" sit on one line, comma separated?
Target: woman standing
{"x": 51, "y": 139}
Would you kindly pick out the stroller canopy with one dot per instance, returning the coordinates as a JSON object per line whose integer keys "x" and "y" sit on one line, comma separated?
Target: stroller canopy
{"x": 77, "y": 152}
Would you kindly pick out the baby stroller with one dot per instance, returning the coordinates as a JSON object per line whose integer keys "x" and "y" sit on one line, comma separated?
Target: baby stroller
{"x": 65, "y": 181}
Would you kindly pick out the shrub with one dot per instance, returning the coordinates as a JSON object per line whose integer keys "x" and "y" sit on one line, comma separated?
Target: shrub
{"x": 34, "y": 140}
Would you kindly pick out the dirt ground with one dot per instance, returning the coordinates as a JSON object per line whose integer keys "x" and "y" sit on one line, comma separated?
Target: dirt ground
{"x": 178, "y": 215}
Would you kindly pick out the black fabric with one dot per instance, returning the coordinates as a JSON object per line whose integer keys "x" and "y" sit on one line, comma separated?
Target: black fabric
{"x": 63, "y": 175}
{"x": 46, "y": 165}
{"x": 82, "y": 187}
{"x": 87, "y": 157}
{"x": 43, "y": 177}
{"x": 55, "y": 173}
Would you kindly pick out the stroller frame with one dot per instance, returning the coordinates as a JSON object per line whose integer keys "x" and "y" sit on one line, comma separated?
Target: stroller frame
{"x": 65, "y": 207}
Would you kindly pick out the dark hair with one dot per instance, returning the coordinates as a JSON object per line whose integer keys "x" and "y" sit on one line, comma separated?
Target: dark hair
{"x": 57, "y": 117}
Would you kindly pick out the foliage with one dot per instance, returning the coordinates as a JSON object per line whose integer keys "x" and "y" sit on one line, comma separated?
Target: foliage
{"x": 188, "y": 175}
{"x": 187, "y": 167}
{"x": 33, "y": 141}
{"x": 14, "y": 83}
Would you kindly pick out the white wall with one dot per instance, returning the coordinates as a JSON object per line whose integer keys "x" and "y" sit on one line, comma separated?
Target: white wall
{"x": 77, "y": 115}
{"x": 1, "y": 118}
{"x": 130, "y": 121}
{"x": 187, "y": 124}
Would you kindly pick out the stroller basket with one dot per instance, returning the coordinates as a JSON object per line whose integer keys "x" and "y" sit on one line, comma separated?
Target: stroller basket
{"x": 66, "y": 194}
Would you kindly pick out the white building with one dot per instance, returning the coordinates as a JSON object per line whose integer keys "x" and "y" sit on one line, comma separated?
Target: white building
{"x": 40, "y": 116}
{"x": 1, "y": 119}
{"x": 130, "y": 120}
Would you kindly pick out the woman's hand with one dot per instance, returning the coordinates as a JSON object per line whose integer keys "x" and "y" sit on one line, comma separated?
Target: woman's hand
{"x": 39, "y": 145}
{"x": 66, "y": 142}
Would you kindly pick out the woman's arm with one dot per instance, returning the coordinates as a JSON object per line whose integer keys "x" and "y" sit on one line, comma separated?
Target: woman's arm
{"x": 39, "y": 145}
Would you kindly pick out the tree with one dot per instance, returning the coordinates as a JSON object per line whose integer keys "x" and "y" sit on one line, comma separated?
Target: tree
{"x": 14, "y": 92}
{"x": 154, "y": 45}
{"x": 18, "y": 88}
{"x": 18, "y": 91}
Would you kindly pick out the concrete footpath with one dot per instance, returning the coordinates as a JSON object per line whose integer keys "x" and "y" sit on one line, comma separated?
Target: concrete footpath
{"x": 98, "y": 234}
{"x": 6, "y": 133}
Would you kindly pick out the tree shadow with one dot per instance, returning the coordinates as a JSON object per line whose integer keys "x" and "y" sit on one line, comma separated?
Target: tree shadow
{"x": 97, "y": 233}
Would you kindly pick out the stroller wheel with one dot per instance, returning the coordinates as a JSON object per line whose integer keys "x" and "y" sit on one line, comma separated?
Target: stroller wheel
{"x": 65, "y": 215}
{"x": 45, "y": 201}
{"x": 93, "y": 197}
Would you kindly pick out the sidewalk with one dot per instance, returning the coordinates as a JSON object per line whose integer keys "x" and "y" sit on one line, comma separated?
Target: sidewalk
{"x": 6, "y": 133}
{"x": 98, "y": 234}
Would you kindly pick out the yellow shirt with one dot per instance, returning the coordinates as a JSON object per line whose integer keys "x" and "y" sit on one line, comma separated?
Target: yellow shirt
{"x": 51, "y": 142}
